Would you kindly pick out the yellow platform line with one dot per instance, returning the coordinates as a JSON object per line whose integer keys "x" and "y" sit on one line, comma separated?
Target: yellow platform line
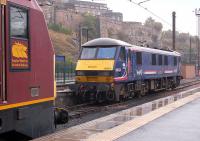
{"x": 129, "y": 126}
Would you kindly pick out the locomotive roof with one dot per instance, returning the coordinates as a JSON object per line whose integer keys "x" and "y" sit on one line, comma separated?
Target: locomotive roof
{"x": 114, "y": 42}
{"x": 105, "y": 42}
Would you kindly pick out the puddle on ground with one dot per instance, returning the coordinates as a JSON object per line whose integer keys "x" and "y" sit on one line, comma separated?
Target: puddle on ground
{"x": 122, "y": 118}
{"x": 134, "y": 112}
{"x": 119, "y": 118}
{"x": 82, "y": 134}
{"x": 104, "y": 126}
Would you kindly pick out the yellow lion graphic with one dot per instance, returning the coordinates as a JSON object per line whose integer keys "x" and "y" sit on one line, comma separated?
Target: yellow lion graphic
{"x": 19, "y": 51}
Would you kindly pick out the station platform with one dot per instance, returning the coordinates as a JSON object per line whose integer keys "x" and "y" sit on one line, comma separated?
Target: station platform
{"x": 171, "y": 118}
{"x": 181, "y": 124}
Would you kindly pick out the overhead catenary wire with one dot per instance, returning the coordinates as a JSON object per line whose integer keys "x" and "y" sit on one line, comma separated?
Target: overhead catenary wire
{"x": 152, "y": 13}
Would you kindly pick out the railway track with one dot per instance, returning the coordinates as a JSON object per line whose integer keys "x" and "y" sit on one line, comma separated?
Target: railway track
{"x": 81, "y": 110}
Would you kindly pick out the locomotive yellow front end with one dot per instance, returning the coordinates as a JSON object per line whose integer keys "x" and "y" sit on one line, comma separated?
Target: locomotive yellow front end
{"x": 95, "y": 71}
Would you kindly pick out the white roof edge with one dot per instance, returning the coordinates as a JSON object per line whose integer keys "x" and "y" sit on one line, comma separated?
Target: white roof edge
{"x": 155, "y": 51}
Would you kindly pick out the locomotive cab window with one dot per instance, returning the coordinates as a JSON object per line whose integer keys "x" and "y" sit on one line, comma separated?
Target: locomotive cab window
{"x": 18, "y": 22}
{"x": 153, "y": 59}
{"x": 88, "y": 53}
{"x": 106, "y": 53}
{"x": 139, "y": 58}
{"x": 122, "y": 54}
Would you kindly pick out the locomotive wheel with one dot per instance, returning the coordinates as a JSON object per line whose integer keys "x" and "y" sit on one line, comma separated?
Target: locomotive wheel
{"x": 132, "y": 94}
{"x": 142, "y": 92}
{"x": 177, "y": 82}
{"x": 123, "y": 94}
{"x": 110, "y": 95}
{"x": 99, "y": 97}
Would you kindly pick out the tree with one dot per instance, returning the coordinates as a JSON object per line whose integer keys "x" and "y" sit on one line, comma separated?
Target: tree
{"x": 150, "y": 22}
{"x": 91, "y": 23}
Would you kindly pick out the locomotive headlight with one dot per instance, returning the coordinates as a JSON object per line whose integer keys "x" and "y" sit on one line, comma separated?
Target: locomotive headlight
{"x": 80, "y": 73}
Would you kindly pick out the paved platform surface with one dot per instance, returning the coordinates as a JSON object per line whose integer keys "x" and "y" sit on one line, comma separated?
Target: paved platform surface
{"x": 171, "y": 118}
{"x": 182, "y": 124}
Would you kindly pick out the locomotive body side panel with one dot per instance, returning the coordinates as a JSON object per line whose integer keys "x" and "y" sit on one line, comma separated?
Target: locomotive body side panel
{"x": 29, "y": 59}
{"x": 30, "y": 75}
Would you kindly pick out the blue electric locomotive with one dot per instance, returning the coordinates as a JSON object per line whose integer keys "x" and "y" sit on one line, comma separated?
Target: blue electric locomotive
{"x": 112, "y": 69}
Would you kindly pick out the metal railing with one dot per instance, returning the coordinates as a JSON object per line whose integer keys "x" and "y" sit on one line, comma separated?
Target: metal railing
{"x": 65, "y": 72}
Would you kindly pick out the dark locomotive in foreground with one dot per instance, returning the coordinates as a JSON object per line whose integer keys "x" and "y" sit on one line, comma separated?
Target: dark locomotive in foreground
{"x": 27, "y": 85}
{"x": 112, "y": 70}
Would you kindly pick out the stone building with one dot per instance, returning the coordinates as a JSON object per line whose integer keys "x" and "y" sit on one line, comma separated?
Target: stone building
{"x": 117, "y": 16}
{"x": 48, "y": 10}
{"x": 68, "y": 18}
{"x": 138, "y": 34}
{"x": 109, "y": 27}
{"x": 92, "y": 8}
{"x": 69, "y": 14}
{"x": 83, "y": 6}
{"x": 132, "y": 32}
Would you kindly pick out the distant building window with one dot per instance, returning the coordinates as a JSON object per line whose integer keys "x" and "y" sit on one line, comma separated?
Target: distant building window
{"x": 139, "y": 58}
{"x": 175, "y": 61}
{"x": 166, "y": 60}
{"x": 153, "y": 59}
{"x": 160, "y": 60}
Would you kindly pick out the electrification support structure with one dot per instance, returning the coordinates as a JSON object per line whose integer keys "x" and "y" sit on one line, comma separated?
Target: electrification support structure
{"x": 174, "y": 30}
{"x": 197, "y": 13}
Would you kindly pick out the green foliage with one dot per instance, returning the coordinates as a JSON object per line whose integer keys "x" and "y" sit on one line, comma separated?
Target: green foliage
{"x": 110, "y": 32}
{"x": 150, "y": 22}
{"x": 60, "y": 28}
{"x": 123, "y": 36}
{"x": 91, "y": 23}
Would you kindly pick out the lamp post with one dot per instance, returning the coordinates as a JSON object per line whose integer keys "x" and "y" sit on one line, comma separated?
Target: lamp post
{"x": 190, "y": 59}
{"x": 81, "y": 28}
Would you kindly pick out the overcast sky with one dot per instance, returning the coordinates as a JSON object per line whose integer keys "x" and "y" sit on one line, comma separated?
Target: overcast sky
{"x": 186, "y": 19}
